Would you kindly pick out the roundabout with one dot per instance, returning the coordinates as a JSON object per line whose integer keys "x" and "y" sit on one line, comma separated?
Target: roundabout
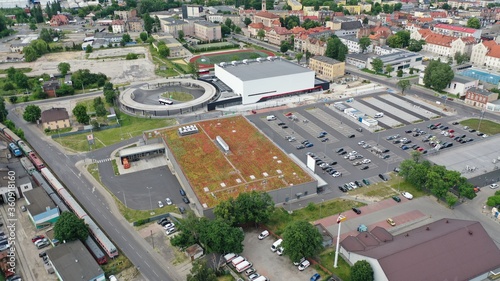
{"x": 143, "y": 99}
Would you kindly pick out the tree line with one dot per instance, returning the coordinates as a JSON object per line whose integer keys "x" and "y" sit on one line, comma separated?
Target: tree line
{"x": 436, "y": 180}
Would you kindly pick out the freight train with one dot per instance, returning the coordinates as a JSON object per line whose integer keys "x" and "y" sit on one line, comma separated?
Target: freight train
{"x": 62, "y": 198}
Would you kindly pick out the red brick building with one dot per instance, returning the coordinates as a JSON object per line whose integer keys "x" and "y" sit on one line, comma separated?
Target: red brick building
{"x": 479, "y": 97}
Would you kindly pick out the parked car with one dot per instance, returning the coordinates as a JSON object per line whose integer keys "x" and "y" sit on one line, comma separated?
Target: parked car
{"x": 383, "y": 177}
{"x": 396, "y": 198}
{"x": 407, "y": 195}
{"x": 339, "y": 150}
{"x": 296, "y": 263}
{"x": 315, "y": 277}
{"x": 305, "y": 264}
{"x": 366, "y": 182}
{"x": 365, "y": 168}
{"x": 356, "y": 210}
{"x": 263, "y": 234}
{"x": 351, "y": 136}
{"x": 182, "y": 210}
{"x": 182, "y": 192}
{"x": 168, "y": 201}
{"x": 36, "y": 238}
{"x": 391, "y": 222}
{"x": 186, "y": 200}
{"x": 249, "y": 271}
{"x": 493, "y": 186}
{"x": 160, "y": 204}
{"x": 300, "y": 147}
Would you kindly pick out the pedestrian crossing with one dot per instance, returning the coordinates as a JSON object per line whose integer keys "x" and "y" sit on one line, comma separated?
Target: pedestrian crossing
{"x": 101, "y": 161}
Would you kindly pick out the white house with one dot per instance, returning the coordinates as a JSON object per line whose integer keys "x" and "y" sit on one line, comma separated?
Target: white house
{"x": 458, "y": 86}
{"x": 486, "y": 53}
{"x": 353, "y": 45}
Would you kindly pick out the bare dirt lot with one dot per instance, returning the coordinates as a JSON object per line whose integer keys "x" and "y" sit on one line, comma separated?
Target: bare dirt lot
{"x": 118, "y": 69}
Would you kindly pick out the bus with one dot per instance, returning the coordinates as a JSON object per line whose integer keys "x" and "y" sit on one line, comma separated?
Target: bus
{"x": 165, "y": 101}
{"x": 203, "y": 72}
{"x": 15, "y": 150}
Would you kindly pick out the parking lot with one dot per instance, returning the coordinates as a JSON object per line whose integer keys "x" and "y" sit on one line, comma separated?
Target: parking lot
{"x": 29, "y": 265}
{"x": 268, "y": 263}
{"x": 308, "y": 122}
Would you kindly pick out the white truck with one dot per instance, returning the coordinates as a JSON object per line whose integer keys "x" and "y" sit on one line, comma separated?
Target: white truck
{"x": 242, "y": 266}
{"x": 237, "y": 260}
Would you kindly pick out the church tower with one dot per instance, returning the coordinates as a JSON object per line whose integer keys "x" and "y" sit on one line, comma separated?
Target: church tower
{"x": 263, "y": 5}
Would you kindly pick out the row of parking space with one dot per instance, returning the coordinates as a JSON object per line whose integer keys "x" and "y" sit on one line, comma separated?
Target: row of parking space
{"x": 332, "y": 122}
{"x": 385, "y": 106}
{"x": 311, "y": 127}
{"x": 384, "y": 153}
{"x": 386, "y": 120}
{"x": 417, "y": 108}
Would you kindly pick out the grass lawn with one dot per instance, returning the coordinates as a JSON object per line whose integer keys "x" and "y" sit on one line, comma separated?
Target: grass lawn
{"x": 60, "y": 131}
{"x": 178, "y": 96}
{"x": 131, "y": 127}
{"x": 327, "y": 258}
{"x": 488, "y": 127}
{"x": 213, "y": 45}
{"x": 116, "y": 265}
{"x": 228, "y": 277}
{"x": 384, "y": 190}
{"x": 22, "y": 69}
{"x": 281, "y": 218}
{"x": 169, "y": 72}
{"x": 115, "y": 167}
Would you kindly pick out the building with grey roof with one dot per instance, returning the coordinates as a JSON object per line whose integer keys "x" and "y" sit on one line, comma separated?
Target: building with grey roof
{"x": 263, "y": 79}
{"x": 358, "y": 60}
{"x": 72, "y": 261}
{"x": 398, "y": 60}
{"x": 41, "y": 209}
{"x": 447, "y": 249}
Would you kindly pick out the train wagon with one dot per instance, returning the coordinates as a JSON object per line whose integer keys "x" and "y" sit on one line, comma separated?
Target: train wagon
{"x": 37, "y": 162}
{"x": 101, "y": 238}
{"x": 94, "y": 249}
{"x": 27, "y": 165}
{"x": 24, "y": 148}
{"x": 15, "y": 149}
{"x": 2, "y": 127}
{"x": 10, "y": 135}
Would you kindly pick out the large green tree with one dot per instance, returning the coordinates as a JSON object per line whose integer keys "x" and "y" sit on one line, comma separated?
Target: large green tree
{"x": 64, "y": 67}
{"x": 3, "y": 111}
{"x": 219, "y": 237}
{"x": 69, "y": 227}
{"x": 261, "y": 34}
{"x": 377, "y": 65}
{"x": 251, "y": 207}
{"x": 364, "y": 42}
{"x": 32, "y": 113}
{"x": 362, "y": 271}
{"x": 80, "y": 112}
{"x": 415, "y": 45}
{"x": 404, "y": 85}
{"x": 247, "y": 21}
{"x": 438, "y": 75}
{"x": 474, "y": 23}
{"x": 301, "y": 239}
{"x": 201, "y": 272}
{"x": 299, "y": 56}
{"x": 399, "y": 40}
{"x": 335, "y": 49}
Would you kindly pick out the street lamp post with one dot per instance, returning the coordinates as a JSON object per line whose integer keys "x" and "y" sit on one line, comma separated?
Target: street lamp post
{"x": 480, "y": 119}
{"x": 150, "y": 200}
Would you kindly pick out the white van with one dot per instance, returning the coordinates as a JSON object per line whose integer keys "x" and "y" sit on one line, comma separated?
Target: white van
{"x": 271, "y": 118}
{"x": 276, "y": 244}
{"x": 379, "y": 114}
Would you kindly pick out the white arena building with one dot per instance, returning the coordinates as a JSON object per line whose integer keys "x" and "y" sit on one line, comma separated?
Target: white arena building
{"x": 264, "y": 79}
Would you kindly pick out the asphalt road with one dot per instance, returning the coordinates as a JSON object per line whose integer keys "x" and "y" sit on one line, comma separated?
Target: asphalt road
{"x": 125, "y": 238}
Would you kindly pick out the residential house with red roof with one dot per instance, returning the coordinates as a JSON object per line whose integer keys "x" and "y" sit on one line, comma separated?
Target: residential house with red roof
{"x": 443, "y": 45}
{"x": 486, "y": 53}
{"x": 254, "y": 28}
{"x": 457, "y": 31}
{"x": 266, "y": 18}
{"x": 118, "y": 26}
{"x": 278, "y": 34}
{"x": 58, "y": 20}
{"x": 447, "y": 249}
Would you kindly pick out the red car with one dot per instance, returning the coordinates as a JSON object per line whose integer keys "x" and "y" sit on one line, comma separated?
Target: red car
{"x": 451, "y": 135}
{"x": 36, "y": 238}
{"x": 451, "y": 131}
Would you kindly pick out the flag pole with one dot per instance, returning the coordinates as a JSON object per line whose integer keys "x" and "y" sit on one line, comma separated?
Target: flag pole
{"x": 339, "y": 221}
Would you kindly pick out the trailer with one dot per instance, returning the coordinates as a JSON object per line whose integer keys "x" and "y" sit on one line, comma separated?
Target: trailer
{"x": 243, "y": 266}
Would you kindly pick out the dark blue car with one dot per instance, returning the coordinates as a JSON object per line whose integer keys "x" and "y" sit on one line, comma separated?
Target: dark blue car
{"x": 315, "y": 277}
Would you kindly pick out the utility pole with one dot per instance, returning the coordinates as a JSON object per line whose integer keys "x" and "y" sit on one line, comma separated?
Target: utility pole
{"x": 339, "y": 222}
